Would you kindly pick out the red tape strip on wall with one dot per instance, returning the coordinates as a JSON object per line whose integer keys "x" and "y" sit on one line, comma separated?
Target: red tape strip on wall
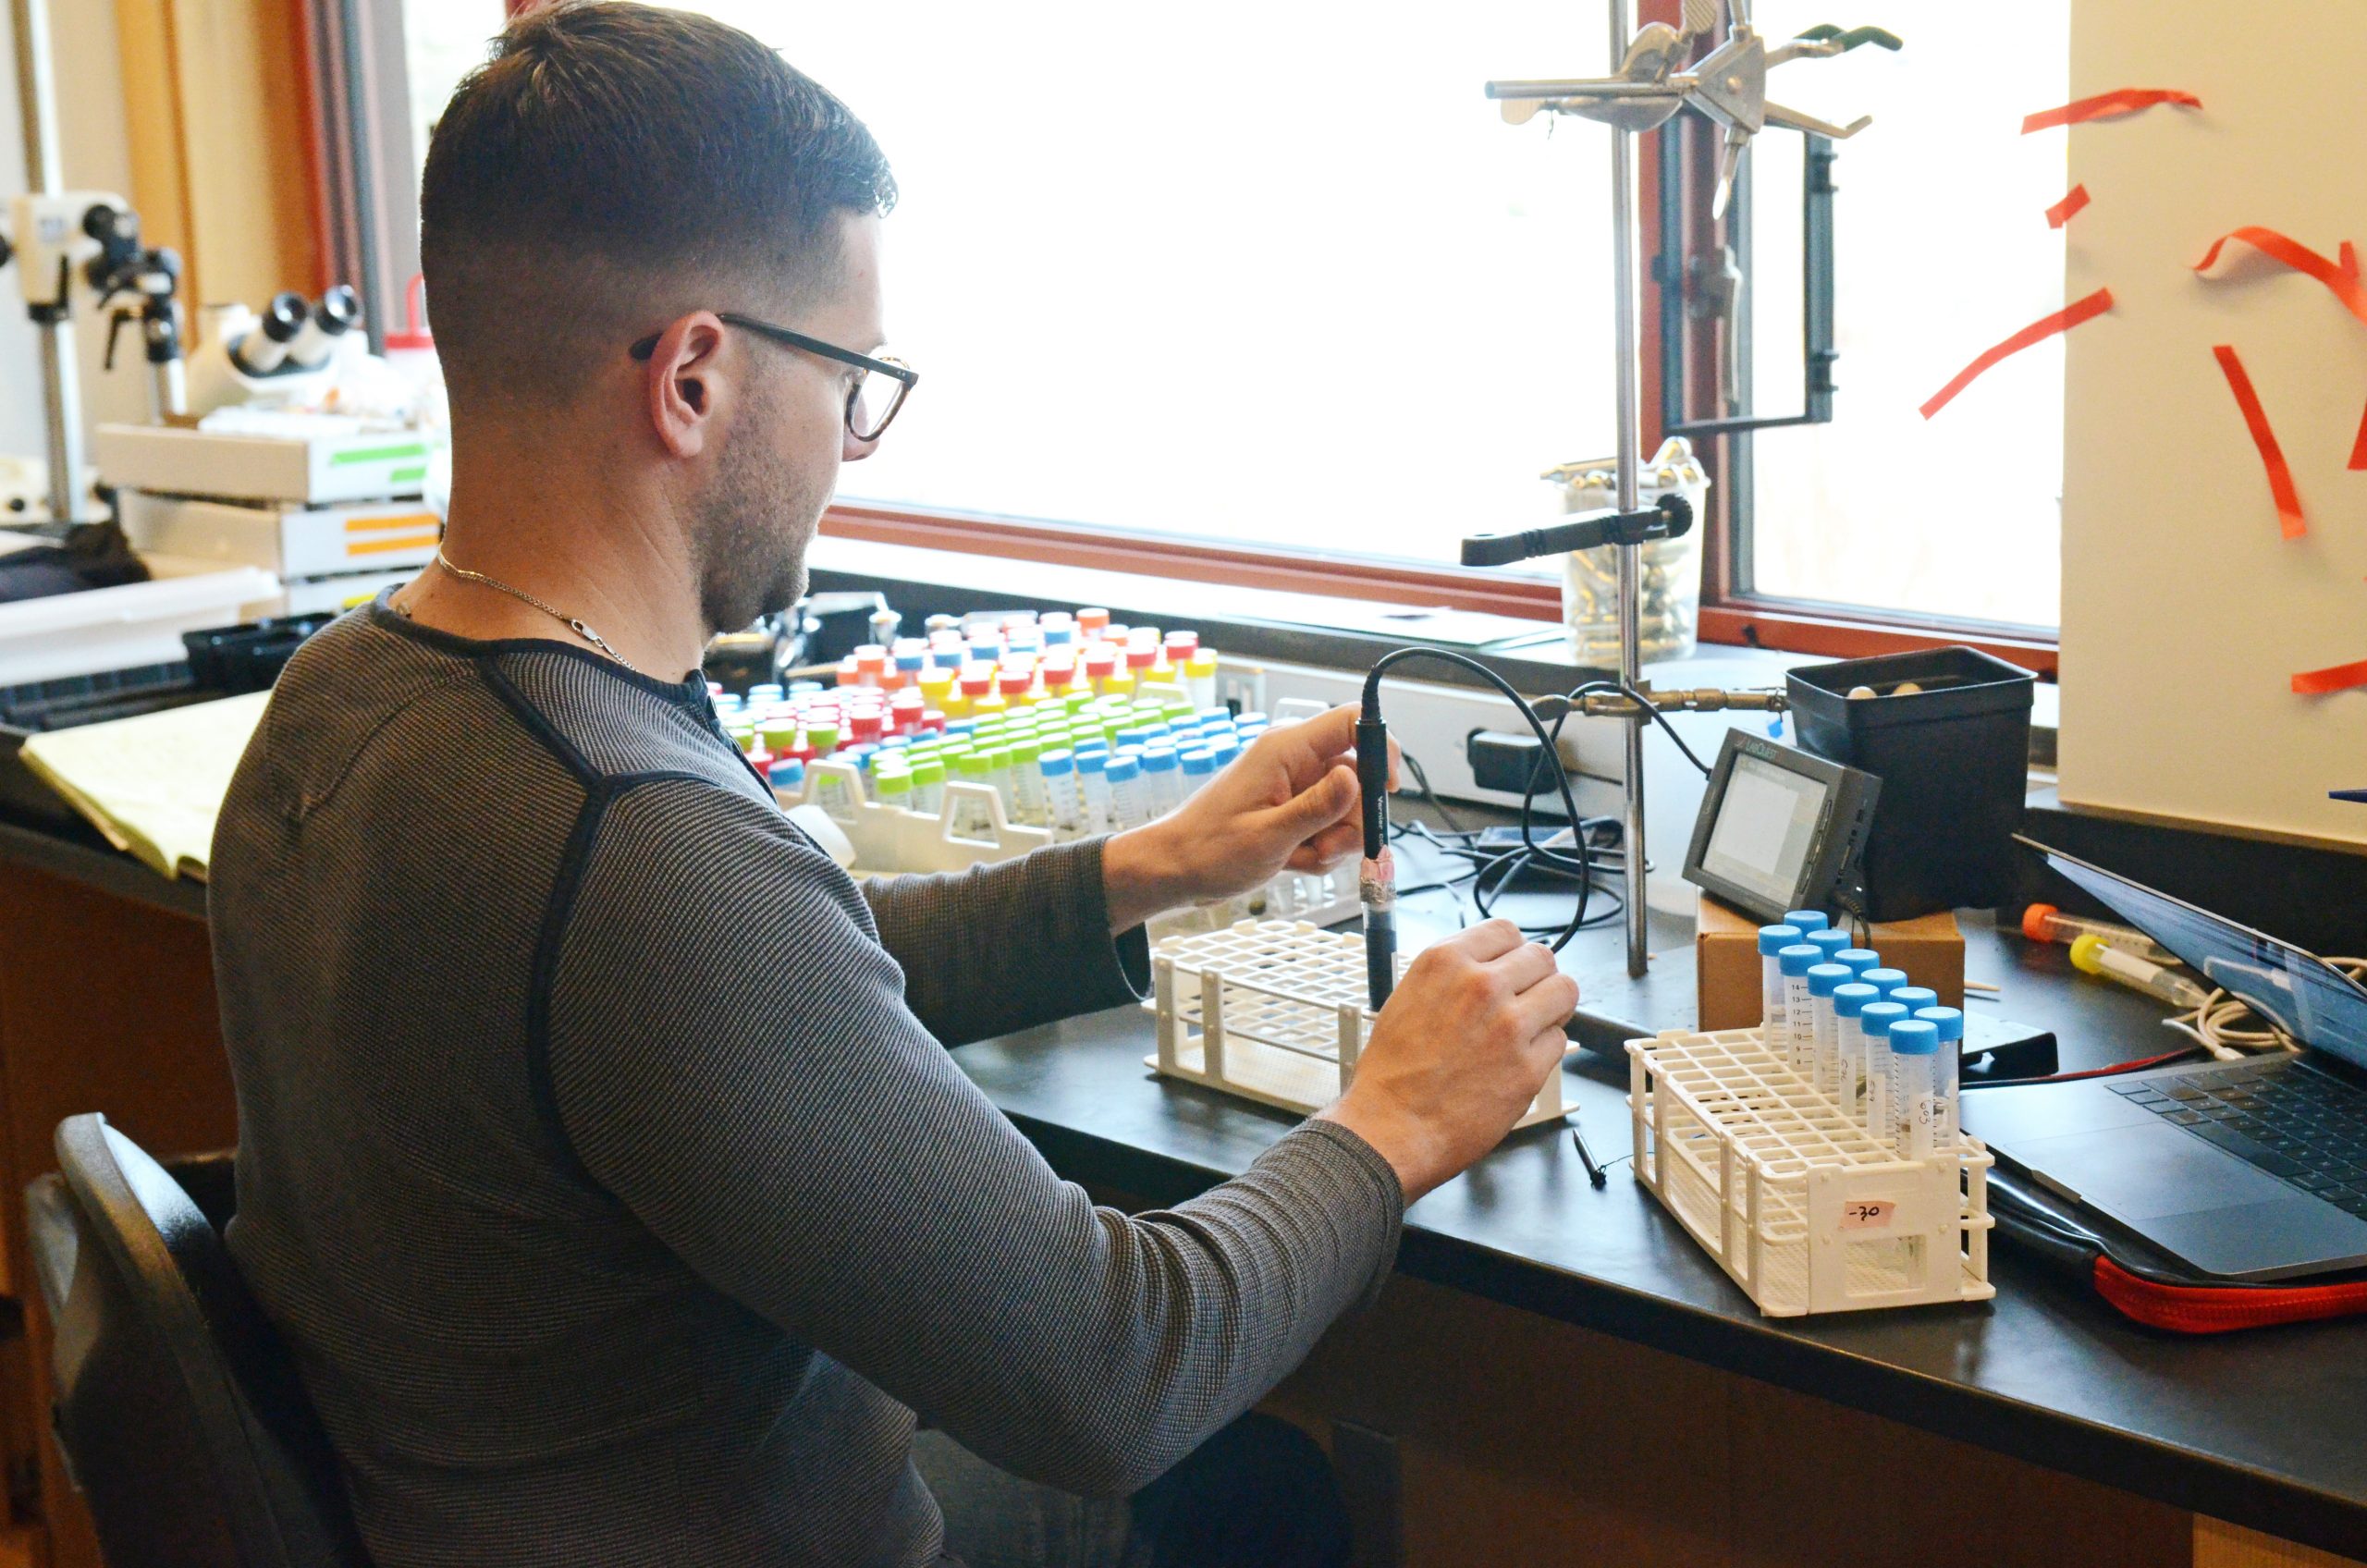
{"x": 2337, "y": 678}
{"x": 2272, "y": 457}
{"x": 2063, "y": 211}
{"x": 2342, "y": 278}
{"x": 2127, "y": 101}
{"x": 2358, "y": 451}
{"x": 2038, "y": 331}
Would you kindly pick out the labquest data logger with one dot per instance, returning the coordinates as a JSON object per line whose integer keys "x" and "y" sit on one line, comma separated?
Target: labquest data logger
{"x": 1780, "y": 830}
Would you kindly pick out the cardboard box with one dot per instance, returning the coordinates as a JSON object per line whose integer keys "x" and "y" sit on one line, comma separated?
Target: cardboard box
{"x": 1929, "y": 948}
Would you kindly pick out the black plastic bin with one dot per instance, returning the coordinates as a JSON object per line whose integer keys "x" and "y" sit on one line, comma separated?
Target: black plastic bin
{"x": 1954, "y": 759}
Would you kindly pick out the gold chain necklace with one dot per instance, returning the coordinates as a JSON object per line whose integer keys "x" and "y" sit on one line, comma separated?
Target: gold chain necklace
{"x": 520, "y": 594}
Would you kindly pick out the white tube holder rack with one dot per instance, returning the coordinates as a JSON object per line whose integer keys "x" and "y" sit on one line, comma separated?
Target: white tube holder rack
{"x": 1274, "y": 1011}
{"x": 1800, "y": 1206}
{"x": 972, "y": 829}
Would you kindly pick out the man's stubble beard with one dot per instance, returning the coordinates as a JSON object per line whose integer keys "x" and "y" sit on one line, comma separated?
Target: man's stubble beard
{"x": 753, "y": 527}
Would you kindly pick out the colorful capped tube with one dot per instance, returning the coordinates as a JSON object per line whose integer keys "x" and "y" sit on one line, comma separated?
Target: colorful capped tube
{"x": 1799, "y": 1019}
{"x": 2091, "y": 955}
{"x": 1829, "y": 942}
{"x": 1860, "y": 960}
{"x": 1130, "y": 807}
{"x": 1947, "y": 1070}
{"x": 1849, "y": 999}
{"x": 1093, "y": 784}
{"x": 1881, "y": 1114}
{"x": 1914, "y": 1053}
{"x": 2044, "y": 923}
{"x": 1806, "y": 920}
{"x": 1825, "y": 1023}
{"x": 1773, "y": 939}
{"x": 1886, "y": 980}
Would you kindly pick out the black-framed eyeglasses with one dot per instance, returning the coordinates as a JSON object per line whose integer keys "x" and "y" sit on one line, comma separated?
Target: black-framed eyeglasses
{"x": 870, "y": 408}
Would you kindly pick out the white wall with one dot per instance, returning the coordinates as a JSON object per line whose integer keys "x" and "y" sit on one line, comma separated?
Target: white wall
{"x": 92, "y": 147}
{"x": 2184, "y": 611}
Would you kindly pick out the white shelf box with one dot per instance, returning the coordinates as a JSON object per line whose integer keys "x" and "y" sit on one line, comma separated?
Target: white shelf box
{"x": 1273, "y": 1011}
{"x": 1803, "y": 1208}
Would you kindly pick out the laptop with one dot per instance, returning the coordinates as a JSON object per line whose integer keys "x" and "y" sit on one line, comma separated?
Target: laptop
{"x": 2254, "y": 1170}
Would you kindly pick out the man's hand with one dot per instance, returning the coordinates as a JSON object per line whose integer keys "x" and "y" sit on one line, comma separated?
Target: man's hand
{"x": 1456, "y": 1056}
{"x": 1290, "y": 802}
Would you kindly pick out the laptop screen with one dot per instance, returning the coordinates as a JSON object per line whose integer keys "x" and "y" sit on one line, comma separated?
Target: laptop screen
{"x": 2308, "y": 998}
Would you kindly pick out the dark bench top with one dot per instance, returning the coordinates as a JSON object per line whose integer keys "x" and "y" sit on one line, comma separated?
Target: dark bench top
{"x": 2266, "y": 1428}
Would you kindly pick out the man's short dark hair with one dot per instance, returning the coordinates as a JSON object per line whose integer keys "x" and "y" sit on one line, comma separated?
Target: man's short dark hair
{"x": 607, "y": 165}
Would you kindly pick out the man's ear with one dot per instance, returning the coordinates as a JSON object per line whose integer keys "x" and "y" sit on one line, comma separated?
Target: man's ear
{"x": 683, "y": 380}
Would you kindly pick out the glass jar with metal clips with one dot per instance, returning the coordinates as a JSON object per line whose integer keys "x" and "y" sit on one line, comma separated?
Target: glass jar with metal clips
{"x": 1671, "y": 567}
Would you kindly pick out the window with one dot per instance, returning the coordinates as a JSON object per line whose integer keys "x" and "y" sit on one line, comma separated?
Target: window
{"x": 1280, "y": 276}
{"x": 1942, "y": 248}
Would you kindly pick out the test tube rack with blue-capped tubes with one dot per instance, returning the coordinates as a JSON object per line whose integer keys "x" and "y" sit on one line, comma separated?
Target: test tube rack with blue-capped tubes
{"x": 1274, "y": 1011}
{"x": 1819, "y": 1157}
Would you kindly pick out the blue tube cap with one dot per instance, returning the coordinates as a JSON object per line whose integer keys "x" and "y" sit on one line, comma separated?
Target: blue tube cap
{"x": 1826, "y": 979}
{"x": 1057, "y": 764}
{"x": 1860, "y": 960}
{"x": 1799, "y": 959}
{"x": 1875, "y": 1018}
{"x": 1915, "y": 999}
{"x": 1914, "y": 1037}
{"x": 1832, "y": 944}
{"x": 1888, "y": 979}
{"x": 1948, "y": 1020}
{"x": 1805, "y": 919}
{"x": 1773, "y": 939}
{"x": 1852, "y": 998}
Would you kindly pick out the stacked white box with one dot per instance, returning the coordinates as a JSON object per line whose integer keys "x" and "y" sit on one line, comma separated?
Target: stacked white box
{"x": 1802, "y": 1207}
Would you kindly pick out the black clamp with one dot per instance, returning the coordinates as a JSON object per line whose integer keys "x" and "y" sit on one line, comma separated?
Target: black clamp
{"x": 1670, "y": 517}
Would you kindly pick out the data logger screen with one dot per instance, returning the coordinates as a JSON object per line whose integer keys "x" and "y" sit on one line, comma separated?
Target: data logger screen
{"x": 1765, "y": 827}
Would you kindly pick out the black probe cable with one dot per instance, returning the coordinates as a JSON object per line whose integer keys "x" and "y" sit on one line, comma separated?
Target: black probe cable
{"x": 1376, "y": 884}
{"x": 1376, "y": 879}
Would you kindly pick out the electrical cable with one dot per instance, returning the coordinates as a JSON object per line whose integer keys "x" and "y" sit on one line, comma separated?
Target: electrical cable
{"x": 2219, "y": 1024}
{"x": 1372, "y": 766}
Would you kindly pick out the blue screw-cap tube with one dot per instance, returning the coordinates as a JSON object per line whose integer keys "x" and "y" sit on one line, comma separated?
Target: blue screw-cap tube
{"x": 1773, "y": 939}
{"x": 1806, "y": 920}
{"x": 1873, "y": 1021}
{"x": 1850, "y": 999}
{"x": 1914, "y": 1053}
{"x": 1799, "y": 1018}
{"x": 1860, "y": 960}
{"x": 1826, "y": 1045}
{"x": 1887, "y": 980}
{"x": 1948, "y": 1070}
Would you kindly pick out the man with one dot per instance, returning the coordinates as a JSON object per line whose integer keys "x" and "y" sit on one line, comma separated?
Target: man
{"x": 600, "y": 1153}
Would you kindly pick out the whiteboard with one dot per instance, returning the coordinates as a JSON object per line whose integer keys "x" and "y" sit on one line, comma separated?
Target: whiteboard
{"x": 2185, "y": 612}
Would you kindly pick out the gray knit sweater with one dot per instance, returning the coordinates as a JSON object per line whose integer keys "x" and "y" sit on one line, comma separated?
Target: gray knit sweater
{"x": 601, "y": 1156}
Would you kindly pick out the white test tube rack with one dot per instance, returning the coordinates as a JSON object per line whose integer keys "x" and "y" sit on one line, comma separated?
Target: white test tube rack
{"x": 972, "y": 827}
{"x": 1804, "y": 1209}
{"x": 1275, "y": 1011}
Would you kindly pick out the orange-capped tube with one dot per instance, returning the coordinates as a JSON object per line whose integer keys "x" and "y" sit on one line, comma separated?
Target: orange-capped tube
{"x": 2044, "y": 923}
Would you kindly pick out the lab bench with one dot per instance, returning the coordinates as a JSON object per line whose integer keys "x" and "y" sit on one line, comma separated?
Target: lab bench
{"x": 1555, "y": 1374}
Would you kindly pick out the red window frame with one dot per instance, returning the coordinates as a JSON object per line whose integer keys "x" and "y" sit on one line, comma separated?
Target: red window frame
{"x": 1728, "y": 616}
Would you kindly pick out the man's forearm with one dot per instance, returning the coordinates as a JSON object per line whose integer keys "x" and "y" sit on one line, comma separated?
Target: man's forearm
{"x": 1143, "y": 874}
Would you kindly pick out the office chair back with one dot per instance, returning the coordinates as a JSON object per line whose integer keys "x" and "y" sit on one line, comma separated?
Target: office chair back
{"x": 176, "y": 1406}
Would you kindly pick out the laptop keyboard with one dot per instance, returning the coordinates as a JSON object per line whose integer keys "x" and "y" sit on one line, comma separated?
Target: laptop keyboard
{"x": 2303, "y": 1126}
